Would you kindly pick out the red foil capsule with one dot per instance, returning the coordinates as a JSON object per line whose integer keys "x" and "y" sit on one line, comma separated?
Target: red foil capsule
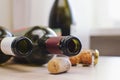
{"x": 67, "y": 45}
{"x": 53, "y": 45}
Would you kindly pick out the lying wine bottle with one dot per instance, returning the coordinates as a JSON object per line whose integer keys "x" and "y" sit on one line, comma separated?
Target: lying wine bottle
{"x": 46, "y": 44}
{"x": 34, "y": 34}
{"x": 13, "y": 46}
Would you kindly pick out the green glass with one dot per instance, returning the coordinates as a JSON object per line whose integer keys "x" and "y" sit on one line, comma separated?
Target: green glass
{"x": 61, "y": 17}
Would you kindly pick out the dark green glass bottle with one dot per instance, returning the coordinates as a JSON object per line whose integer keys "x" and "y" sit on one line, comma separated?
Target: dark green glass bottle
{"x": 60, "y": 18}
{"x": 34, "y": 34}
{"x": 13, "y": 46}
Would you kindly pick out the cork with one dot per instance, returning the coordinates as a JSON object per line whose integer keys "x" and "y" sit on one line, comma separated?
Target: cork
{"x": 85, "y": 57}
{"x": 59, "y": 65}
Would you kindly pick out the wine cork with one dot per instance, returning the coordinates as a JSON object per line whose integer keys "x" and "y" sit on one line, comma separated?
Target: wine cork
{"x": 74, "y": 60}
{"x": 59, "y": 65}
{"x": 85, "y": 57}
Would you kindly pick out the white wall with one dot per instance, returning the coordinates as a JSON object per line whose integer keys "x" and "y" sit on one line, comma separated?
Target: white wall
{"x": 21, "y": 13}
{"x": 31, "y": 12}
{"x": 83, "y": 17}
{"x": 6, "y": 13}
{"x": 40, "y": 11}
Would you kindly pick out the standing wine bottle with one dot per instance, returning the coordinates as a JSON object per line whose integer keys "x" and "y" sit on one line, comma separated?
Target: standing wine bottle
{"x": 60, "y": 18}
{"x": 13, "y": 46}
{"x": 46, "y": 44}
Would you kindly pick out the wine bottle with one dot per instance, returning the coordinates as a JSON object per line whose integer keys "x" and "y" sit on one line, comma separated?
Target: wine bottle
{"x": 34, "y": 33}
{"x": 60, "y": 18}
{"x": 13, "y": 46}
{"x": 48, "y": 44}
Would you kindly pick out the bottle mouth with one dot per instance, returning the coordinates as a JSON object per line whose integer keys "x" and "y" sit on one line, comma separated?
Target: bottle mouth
{"x": 72, "y": 46}
{"x": 22, "y": 46}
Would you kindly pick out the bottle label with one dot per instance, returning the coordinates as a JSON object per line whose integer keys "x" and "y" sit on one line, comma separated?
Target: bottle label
{"x": 6, "y": 45}
{"x": 53, "y": 45}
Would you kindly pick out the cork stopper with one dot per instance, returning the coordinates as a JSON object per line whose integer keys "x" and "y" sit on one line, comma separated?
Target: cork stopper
{"x": 85, "y": 57}
{"x": 59, "y": 65}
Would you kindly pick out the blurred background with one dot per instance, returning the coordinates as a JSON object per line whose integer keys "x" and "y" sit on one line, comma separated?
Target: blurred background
{"x": 97, "y": 22}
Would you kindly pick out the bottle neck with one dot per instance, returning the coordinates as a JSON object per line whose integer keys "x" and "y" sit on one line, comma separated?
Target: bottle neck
{"x": 53, "y": 45}
{"x": 22, "y": 46}
{"x": 16, "y": 46}
{"x": 67, "y": 45}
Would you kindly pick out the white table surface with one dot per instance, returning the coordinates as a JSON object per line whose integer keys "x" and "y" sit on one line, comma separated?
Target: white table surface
{"x": 108, "y": 68}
